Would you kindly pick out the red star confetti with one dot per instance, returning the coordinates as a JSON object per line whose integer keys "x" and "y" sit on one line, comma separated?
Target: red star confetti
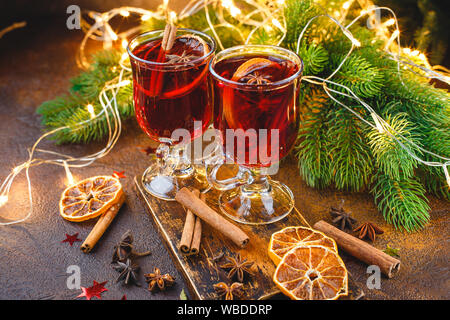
{"x": 124, "y": 297}
{"x": 119, "y": 175}
{"x": 94, "y": 291}
{"x": 71, "y": 238}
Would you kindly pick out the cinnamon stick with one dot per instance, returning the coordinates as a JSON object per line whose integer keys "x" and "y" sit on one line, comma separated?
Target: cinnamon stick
{"x": 197, "y": 236}
{"x": 102, "y": 224}
{"x": 188, "y": 230}
{"x": 170, "y": 32}
{"x": 360, "y": 249}
{"x": 211, "y": 217}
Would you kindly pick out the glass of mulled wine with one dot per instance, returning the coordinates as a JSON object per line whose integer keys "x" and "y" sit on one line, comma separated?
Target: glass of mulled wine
{"x": 257, "y": 118}
{"x": 172, "y": 101}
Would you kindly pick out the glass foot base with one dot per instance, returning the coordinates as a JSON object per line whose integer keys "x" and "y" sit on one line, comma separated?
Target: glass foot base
{"x": 257, "y": 207}
{"x": 166, "y": 186}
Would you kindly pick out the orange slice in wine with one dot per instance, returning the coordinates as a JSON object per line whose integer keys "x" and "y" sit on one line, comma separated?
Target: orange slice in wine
{"x": 90, "y": 198}
{"x": 312, "y": 273}
{"x": 284, "y": 240}
{"x": 248, "y": 68}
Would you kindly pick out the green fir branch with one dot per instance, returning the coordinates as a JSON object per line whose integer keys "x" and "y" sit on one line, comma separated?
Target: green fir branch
{"x": 402, "y": 202}
{"x": 390, "y": 157}
{"x": 351, "y": 157}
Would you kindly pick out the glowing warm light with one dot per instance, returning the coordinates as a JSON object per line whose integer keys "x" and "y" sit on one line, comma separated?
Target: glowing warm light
{"x": 124, "y": 57}
{"x": 70, "y": 180}
{"x": 124, "y": 13}
{"x": 124, "y": 43}
{"x": 114, "y": 36}
{"x": 390, "y": 22}
{"x": 346, "y": 5}
{"x": 395, "y": 34}
{"x": 235, "y": 11}
{"x": 422, "y": 57}
{"x": 172, "y": 16}
{"x": 356, "y": 42}
{"x": 145, "y": 17}
{"x": 124, "y": 83}
{"x": 165, "y": 3}
{"x": 377, "y": 123}
{"x": 228, "y": 4}
{"x": 90, "y": 109}
{"x": 415, "y": 53}
{"x": 280, "y": 2}
{"x": 16, "y": 170}
{"x": 277, "y": 24}
{"x": 407, "y": 50}
{"x": 3, "y": 200}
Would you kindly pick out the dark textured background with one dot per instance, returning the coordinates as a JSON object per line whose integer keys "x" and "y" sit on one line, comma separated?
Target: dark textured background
{"x": 36, "y": 64}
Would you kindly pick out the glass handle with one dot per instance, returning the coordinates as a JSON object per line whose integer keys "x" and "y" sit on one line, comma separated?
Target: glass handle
{"x": 242, "y": 177}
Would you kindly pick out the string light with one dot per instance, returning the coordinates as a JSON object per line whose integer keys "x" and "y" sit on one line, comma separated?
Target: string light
{"x": 70, "y": 179}
{"x": 347, "y": 5}
{"x": 124, "y": 13}
{"x": 389, "y": 22}
{"x": 90, "y": 109}
{"x": 3, "y": 200}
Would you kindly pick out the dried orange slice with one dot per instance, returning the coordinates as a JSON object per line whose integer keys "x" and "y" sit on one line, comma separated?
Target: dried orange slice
{"x": 90, "y": 198}
{"x": 312, "y": 273}
{"x": 250, "y": 66}
{"x": 284, "y": 240}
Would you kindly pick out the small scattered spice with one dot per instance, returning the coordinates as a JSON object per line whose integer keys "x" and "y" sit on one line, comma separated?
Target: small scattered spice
{"x": 393, "y": 252}
{"x": 238, "y": 266}
{"x": 156, "y": 280}
{"x": 125, "y": 249}
{"x": 230, "y": 292}
{"x": 128, "y": 272}
{"x": 368, "y": 230}
{"x": 341, "y": 218}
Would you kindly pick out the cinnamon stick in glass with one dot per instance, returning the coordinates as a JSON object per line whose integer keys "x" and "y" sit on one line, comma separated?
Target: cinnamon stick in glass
{"x": 188, "y": 230}
{"x": 211, "y": 217}
{"x": 102, "y": 224}
{"x": 360, "y": 249}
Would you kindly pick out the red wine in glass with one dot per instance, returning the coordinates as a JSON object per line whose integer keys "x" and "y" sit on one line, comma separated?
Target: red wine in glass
{"x": 171, "y": 90}
{"x": 256, "y": 113}
{"x": 254, "y": 103}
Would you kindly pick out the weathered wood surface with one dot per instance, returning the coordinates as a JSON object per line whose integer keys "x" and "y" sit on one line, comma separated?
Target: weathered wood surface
{"x": 202, "y": 271}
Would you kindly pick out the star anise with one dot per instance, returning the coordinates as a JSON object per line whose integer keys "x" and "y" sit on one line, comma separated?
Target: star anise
{"x": 128, "y": 272}
{"x": 341, "y": 218}
{"x": 238, "y": 266}
{"x": 256, "y": 78}
{"x": 156, "y": 280}
{"x": 124, "y": 249}
{"x": 368, "y": 229}
{"x": 183, "y": 58}
{"x": 230, "y": 292}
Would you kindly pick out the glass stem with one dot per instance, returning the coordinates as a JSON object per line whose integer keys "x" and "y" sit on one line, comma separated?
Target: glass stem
{"x": 173, "y": 160}
{"x": 259, "y": 183}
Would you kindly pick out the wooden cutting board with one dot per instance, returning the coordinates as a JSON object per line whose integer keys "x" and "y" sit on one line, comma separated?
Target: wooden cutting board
{"x": 202, "y": 271}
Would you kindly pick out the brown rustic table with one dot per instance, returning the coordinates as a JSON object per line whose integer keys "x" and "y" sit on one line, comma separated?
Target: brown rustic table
{"x": 36, "y": 64}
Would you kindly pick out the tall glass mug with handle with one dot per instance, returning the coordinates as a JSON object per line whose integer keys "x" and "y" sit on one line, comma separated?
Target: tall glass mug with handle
{"x": 257, "y": 118}
{"x": 172, "y": 100}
